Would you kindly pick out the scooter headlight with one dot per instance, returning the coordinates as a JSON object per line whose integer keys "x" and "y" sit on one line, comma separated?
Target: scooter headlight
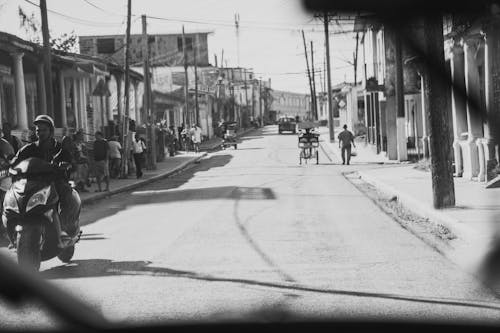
{"x": 39, "y": 198}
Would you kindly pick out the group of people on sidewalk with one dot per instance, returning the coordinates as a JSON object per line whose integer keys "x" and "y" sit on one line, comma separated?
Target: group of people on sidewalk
{"x": 188, "y": 139}
{"x": 106, "y": 161}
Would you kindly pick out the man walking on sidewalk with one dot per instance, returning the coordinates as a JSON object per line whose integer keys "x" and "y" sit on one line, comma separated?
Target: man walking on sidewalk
{"x": 138, "y": 148}
{"x": 345, "y": 139}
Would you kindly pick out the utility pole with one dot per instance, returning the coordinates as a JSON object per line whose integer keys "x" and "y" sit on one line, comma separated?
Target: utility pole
{"x": 314, "y": 83}
{"x": 215, "y": 57}
{"x": 222, "y": 59}
{"x": 47, "y": 59}
{"x": 330, "y": 101}
{"x": 437, "y": 90}
{"x": 356, "y": 60}
{"x": 260, "y": 103}
{"x": 125, "y": 123}
{"x": 246, "y": 94}
{"x": 197, "y": 108}
{"x": 237, "y": 25}
{"x": 308, "y": 72}
{"x": 147, "y": 94}
{"x": 186, "y": 93}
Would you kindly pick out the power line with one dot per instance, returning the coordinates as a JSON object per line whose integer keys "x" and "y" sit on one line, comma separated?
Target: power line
{"x": 103, "y": 10}
{"x": 77, "y": 20}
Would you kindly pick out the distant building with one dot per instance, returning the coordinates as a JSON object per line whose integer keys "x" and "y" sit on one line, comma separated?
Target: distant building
{"x": 164, "y": 49}
{"x": 291, "y": 104}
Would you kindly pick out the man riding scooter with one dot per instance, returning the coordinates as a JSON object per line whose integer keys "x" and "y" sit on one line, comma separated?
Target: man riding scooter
{"x": 50, "y": 150}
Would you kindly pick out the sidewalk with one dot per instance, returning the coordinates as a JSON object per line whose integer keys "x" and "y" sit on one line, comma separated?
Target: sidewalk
{"x": 473, "y": 220}
{"x": 169, "y": 166}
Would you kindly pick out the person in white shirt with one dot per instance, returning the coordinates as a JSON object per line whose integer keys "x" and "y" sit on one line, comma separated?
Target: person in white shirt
{"x": 138, "y": 148}
{"x": 196, "y": 137}
{"x": 115, "y": 156}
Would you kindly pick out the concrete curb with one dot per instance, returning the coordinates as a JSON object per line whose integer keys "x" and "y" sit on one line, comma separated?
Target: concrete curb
{"x": 453, "y": 224}
{"x": 140, "y": 183}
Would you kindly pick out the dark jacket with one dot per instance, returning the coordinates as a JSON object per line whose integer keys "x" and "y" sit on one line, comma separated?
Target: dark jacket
{"x": 54, "y": 155}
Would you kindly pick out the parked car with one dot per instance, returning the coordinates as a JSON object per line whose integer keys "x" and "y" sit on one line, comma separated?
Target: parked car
{"x": 287, "y": 124}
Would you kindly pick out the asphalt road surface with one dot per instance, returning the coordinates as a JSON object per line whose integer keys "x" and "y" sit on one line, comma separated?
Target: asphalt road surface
{"x": 249, "y": 233}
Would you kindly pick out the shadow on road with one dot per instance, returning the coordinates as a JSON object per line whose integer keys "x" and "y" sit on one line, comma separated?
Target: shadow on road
{"x": 105, "y": 267}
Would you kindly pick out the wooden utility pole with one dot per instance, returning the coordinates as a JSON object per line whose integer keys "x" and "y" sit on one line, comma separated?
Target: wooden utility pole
{"x": 329, "y": 79}
{"x": 315, "y": 99}
{"x": 356, "y": 60}
{"x": 222, "y": 59}
{"x": 197, "y": 107}
{"x": 260, "y": 103}
{"x": 147, "y": 94}
{"x": 437, "y": 90}
{"x": 308, "y": 73}
{"x": 246, "y": 95}
{"x": 186, "y": 92}
{"x": 47, "y": 59}
{"x": 125, "y": 123}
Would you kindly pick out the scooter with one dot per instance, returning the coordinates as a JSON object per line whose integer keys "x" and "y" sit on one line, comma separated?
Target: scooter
{"x": 29, "y": 208}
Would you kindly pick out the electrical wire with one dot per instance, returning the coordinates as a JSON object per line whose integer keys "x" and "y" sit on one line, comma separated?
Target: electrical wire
{"x": 78, "y": 20}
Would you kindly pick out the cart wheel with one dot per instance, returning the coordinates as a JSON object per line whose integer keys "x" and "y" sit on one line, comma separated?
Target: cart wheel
{"x": 317, "y": 157}
{"x": 235, "y": 146}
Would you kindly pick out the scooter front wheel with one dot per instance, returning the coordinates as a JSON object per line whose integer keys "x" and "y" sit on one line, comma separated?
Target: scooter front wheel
{"x": 67, "y": 254}
{"x": 28, "y": 246}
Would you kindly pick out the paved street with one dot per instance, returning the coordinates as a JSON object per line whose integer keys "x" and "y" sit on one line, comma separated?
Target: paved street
{"x": 248, "y": 231}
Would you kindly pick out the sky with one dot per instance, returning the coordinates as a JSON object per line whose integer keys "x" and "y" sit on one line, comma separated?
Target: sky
{"x": 269, "y": 42}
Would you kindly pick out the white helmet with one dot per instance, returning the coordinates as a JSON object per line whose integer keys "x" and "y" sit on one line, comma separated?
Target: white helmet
{"x": 44, "y": 119}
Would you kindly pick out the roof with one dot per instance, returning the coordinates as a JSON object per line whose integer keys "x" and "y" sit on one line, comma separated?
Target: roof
{"x": 149, "y": 35}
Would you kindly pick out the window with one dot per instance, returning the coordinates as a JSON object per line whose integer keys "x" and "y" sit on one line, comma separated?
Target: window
{"x": 189, "y": 44}
{"x": 106, "y": 45}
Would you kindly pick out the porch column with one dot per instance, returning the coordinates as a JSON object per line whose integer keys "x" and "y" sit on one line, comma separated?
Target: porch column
{"x": 474, "y": 122}
{"x": 458, "y": 104}
{"x": 118, "y": 78}
{"x": 425, "y": 122}
{"x": 136, "y": 104}
{"x": 2, "y": 101}
{"x": 41, "y": 94}
{"x": 75, "y": 101}
{"x": 62, "y": 99}
{"x": 109, "y": 107}
{"x": 492, "y": 92}
{"x": 22, "y": 113}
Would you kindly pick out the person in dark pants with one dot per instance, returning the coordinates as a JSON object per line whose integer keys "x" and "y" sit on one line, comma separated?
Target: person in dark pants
{"x": 345, "y": 139}
{"x": 138, "y": 148}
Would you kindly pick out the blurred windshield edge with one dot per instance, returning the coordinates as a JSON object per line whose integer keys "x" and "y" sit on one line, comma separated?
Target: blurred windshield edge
{"x": 18, "y": 286}
{"x": 396, "y": 7}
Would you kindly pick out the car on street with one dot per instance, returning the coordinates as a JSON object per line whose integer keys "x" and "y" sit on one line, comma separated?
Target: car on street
{"x": 287, "y": 124}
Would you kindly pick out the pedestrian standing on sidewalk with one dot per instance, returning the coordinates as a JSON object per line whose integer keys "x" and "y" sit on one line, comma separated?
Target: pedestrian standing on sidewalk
{"x": 115, "y": 157}
{"x": 180, "y": 140}
{"x": 82, "y": 163}
{"x": 12, "y": 139}
{"x": 138, "y": 148}
{"x": 196, "y": 137}
{"x": 345, "y": 139}
{"x": 101, "y": 156}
